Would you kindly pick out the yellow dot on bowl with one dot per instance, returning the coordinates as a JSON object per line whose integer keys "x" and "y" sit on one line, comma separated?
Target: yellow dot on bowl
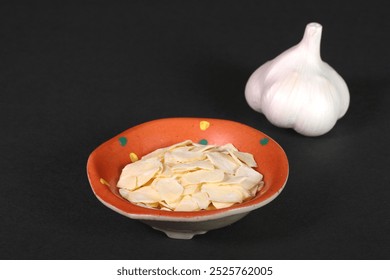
{"x": 133, "y": 157}
{"x": 104, "y": 182}
{"x": 204, "y": 125}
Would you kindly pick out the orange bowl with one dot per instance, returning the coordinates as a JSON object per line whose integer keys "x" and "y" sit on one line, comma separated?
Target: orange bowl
{"x": 105, "y": 164}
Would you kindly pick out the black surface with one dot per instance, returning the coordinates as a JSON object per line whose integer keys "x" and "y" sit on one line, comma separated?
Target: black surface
{"x": 73, "y": 75}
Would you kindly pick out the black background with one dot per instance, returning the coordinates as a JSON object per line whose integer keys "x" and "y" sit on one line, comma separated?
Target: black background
{"x": 74, "y": 74}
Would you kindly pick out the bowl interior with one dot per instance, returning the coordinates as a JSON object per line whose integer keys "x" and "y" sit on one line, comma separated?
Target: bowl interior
{"x": 106, "y": 162}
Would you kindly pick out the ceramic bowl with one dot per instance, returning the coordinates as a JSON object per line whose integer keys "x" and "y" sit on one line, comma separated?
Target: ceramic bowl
{"x": 106, "y": 162}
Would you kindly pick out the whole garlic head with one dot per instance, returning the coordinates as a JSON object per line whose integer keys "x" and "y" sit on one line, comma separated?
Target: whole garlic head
{"x": 298, "y": 90}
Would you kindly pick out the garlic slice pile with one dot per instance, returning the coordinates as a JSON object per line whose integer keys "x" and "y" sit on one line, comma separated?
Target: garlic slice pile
{"x": 189, "y": 177}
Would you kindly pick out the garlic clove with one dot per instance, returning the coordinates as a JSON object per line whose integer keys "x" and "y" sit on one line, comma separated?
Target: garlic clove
{"x": 298, "y": 90}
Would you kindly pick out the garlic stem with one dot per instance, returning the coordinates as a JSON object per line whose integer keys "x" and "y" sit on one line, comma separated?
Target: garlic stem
{"x": 311, "y": 40}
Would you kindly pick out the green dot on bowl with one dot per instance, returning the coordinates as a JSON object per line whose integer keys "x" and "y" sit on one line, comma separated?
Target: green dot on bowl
{"x": 203, "y": 142}
{"x": 264, "y": 141}
{"x": 123, "y": 141}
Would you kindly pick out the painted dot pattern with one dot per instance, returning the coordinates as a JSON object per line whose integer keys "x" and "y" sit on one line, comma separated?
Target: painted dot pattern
{"x": 104, "y": 182}
{"x": 204, "y": 125}
{"x": 264, "y": 141}
{"x": 133, "y": 157}
{"x": 122, "y": 141}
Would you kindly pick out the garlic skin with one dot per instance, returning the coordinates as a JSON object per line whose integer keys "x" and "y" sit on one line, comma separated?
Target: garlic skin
{"x": 298, "y": 90}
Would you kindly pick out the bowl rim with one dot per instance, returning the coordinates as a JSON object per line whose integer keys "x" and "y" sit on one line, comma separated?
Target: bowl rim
{"x": 111, "y": 201}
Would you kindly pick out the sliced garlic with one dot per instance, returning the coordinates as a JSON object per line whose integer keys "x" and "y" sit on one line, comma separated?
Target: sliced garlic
{"x": 187, "y": 204}
{"x": 138, "y": 173}
{"x": 169, "y": 189}
{"x": 143, "y": 195}
{"x": 182, "y": 156}
{"x": 251, "y": 176}
{"x": 159, "y": 153}
{"x": 190, "y": 177}
{"x": 223, "y": 162}
{"x": 202, "y": 199}
{"x": 223, "y": 193}
{"x": 190, "y": 166}
{"x": 190, "y": 189}
{"x": 246, "y": 158}
{"x": 203, "y": 176}
{"x": 220, "y": 205}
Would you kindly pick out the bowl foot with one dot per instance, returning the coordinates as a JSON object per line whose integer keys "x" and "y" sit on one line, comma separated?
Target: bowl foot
{"x": 180, "y": 234}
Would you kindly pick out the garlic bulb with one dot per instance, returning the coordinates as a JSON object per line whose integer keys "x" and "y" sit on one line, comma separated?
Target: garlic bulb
{"x": 298, "y": 90}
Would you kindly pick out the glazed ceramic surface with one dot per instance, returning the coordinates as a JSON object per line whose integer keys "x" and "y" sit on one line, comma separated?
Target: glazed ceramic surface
{"x": 106, "y": 162}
